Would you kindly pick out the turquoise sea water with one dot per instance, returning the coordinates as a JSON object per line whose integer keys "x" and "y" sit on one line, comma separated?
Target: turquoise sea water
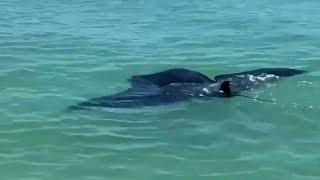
{"x": 57, "y": 53}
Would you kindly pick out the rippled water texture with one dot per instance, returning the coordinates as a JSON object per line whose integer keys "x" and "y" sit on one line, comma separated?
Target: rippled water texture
{"x": 57, "y": 53}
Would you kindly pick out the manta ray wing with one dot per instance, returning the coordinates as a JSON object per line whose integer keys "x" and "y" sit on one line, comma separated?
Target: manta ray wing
{"x": 131, "y": 97}
{"x": 167, "y": 77}
{"x": 281, "y": 72}
{"x": 251, "y": 80}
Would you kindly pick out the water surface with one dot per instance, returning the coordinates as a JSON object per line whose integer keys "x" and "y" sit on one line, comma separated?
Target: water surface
{"x": 54, "y": 54}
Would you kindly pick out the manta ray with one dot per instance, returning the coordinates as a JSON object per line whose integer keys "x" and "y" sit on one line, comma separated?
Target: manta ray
{"x": 176, "y": 85}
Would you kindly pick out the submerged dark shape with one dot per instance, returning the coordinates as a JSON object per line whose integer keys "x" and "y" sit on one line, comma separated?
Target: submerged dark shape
{"x": 176, "y": 85}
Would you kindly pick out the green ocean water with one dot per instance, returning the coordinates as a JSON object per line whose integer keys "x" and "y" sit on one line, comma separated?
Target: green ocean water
{"x": 57, "y": 53}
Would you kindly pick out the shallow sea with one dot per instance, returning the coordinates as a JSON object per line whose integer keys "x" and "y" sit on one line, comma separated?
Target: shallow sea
{"x": 57, "y": 53}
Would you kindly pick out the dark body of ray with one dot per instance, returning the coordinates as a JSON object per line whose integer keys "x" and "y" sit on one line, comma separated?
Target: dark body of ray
{"x": 176, "y": 85}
